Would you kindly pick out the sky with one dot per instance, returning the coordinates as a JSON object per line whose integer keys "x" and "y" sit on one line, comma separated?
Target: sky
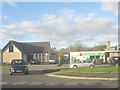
{"x": 60, "y": 23}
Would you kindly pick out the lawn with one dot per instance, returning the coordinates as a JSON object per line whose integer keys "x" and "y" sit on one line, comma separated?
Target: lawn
{"x": 92, "y": 70}
{"x": 4, "y": 64}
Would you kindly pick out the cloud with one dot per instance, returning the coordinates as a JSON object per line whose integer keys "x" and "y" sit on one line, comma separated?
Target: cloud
{"x": 63, "y": 29}
{"x": 110, "y": 6}
{"x": 110, "y": 0}
{"x": 2, "y": 17}
{"x": 11, "y": 4}
{"x": 67, "y": 12}
{"x": 11, "y": 31}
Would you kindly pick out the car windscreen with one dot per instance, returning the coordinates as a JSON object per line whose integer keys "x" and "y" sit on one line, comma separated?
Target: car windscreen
{"x": 18, "y": 62}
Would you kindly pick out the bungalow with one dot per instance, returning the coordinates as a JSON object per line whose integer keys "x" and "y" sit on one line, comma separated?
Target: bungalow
{"x": 26, "y": 51}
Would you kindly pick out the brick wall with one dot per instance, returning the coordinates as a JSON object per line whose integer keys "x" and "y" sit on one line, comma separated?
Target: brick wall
{"x": 7, "y": 56}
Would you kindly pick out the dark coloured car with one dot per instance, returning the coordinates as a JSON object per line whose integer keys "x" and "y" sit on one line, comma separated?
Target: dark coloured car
{"x": 115, "y": 60}
{"x": 34, "y": 61}
{"x": 18, "y": 66}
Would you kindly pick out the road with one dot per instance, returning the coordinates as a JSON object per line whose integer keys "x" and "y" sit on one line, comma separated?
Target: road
{"x": 38, "y": 79}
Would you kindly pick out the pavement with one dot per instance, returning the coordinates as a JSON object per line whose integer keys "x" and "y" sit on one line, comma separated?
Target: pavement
{"x": 53, "y": 71}
{"x": 88, "y": 76}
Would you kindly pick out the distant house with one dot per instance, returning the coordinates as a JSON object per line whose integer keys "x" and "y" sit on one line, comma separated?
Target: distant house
{"x": 112, "y": 51}
{"x": 117, "y": 47}
{"x": 26, "y": 51}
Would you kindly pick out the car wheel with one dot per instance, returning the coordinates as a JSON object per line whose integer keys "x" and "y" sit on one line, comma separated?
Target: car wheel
{"x": 116, "y": 65}
{"x": 91, "y": 66}
{"x": 26, "y": 72}
{"x": 74, "y": 66}
{"x": 10, "y": 72}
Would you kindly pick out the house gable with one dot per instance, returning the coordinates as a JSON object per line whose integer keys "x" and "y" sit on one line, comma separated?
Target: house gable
{"x": 15, "y": 49}
{"x": 7, "y": 47}
{"x": 10, "y": 52}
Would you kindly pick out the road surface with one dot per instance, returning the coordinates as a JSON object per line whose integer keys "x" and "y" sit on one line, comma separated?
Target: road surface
{"x": 38, "y": 79}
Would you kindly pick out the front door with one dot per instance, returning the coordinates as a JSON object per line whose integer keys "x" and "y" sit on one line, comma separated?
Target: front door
{"x": 29, "y": 57}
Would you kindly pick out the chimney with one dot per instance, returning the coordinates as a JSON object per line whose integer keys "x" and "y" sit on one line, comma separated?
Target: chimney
{"x": 118, "y": 47}
{"x": 108, "y": 45}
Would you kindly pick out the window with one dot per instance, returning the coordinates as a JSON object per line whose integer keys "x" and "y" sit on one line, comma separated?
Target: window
{"x": 43, "y": 60}
{"x": 39, "y": 57}
{"x": 10, "y": 48}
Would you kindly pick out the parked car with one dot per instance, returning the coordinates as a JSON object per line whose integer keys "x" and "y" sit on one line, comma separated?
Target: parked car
{"x": 34, "y": 61}
{"x": 52, "y": 61}
{"x": 18, "y": 66}
{"x": 83, "y": 63}
{"x": 115, "y": 61}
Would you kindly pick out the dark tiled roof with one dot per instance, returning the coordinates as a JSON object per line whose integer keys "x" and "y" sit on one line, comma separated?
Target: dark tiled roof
{"x": 30, "y": 48}
{"x": 45, "y": 45}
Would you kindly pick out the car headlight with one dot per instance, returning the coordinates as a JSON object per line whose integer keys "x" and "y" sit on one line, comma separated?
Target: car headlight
{"x": 12, "y": 68}
{"x": 26, "y": 68}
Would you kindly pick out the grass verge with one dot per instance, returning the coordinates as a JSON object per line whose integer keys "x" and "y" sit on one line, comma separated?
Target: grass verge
{"x": 92, "y": 70}
{"x": 4, "y": 64}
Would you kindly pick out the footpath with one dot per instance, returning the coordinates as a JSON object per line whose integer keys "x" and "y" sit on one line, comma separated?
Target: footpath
{"x": 53, "y": 71}
{"x": 88, "y": 76}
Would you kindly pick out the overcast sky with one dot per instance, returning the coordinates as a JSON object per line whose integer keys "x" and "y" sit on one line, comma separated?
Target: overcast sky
{"x": 60, "y": 23}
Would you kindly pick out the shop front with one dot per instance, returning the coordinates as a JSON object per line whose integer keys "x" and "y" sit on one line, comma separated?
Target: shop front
{"x": 74, "y": 56}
